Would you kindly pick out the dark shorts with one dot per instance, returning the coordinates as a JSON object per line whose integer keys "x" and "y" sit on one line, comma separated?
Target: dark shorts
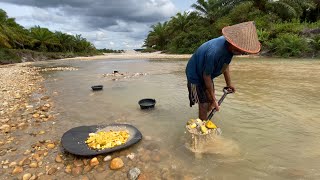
{"x": 197, "y": 94}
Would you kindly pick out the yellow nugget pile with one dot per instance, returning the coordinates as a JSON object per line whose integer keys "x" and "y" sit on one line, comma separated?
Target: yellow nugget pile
{"x": 103, "y": 139}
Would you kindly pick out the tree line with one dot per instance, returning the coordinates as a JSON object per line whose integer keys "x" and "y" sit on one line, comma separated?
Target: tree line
{"x": 16, "y": 40}
{"x": 287, "y": 28}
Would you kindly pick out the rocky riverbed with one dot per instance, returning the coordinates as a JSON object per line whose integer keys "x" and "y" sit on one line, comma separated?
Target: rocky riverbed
{"x": 30, "y": 145}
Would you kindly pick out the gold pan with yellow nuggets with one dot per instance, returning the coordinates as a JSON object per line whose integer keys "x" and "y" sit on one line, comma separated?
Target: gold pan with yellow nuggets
{"x": 107, "y": 139}
{"x": 197, "y": 126}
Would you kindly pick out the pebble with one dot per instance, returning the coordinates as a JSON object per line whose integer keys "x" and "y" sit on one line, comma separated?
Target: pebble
{"x": 26, "y": 176}
{"x": 12, "y": 164}
{"x": 50, "y": 146}
{"x": 52, "y": 171}
{"x": 134, "y": 173}
{"x": 33, "y": 165}
{"x": 17, "y": 170}
{"x": 77, "y": 162}
{"x": 94, "y": 161}
{"x": 33, "y": 177}
{"x": 3, "y": 152}
{"x": 58, "y": 159}
{"x": 116, "y": 163}
{"x": 76, "y": 171}
{"x": 87, "y": 169}
{"x": 68, "y": 169}
{"x": 107, "y": 158}
{"x": 131, "y": 156}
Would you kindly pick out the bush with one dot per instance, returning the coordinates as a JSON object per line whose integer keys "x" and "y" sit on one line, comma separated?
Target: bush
{"x": 288, "y": 45}
{"x": 8, "y": 56}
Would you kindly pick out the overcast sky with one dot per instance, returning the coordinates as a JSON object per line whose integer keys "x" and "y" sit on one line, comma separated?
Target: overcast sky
{"x": 111, "y": 24}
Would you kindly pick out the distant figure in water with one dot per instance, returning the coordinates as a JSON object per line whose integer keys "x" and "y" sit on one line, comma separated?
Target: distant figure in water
{"x": 212, "y": 59}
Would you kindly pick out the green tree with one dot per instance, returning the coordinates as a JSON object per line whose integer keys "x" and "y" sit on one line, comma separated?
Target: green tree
{"x": 157, "y": 37}
{"x": 212, "y": 10}
{"x": 42, "y": 38}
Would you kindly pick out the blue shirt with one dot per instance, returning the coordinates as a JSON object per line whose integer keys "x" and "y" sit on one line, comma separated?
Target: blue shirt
{"x": 211, "y": 58}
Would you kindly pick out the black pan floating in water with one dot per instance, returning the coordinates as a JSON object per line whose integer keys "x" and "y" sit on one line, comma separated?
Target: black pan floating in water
{"x": 73, "y": 140}
{"x": 97, "y": 87}
{"x": 147, "y": 103}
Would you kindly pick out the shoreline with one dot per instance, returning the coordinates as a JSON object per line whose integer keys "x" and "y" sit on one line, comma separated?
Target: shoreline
{"x": 138, "y": 55}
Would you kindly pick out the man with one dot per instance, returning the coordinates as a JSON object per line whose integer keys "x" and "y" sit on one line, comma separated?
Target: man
{"x": 212, "y": 59}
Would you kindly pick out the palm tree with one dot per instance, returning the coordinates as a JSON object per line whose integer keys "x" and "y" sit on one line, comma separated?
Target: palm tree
{"x": 214, "y": 9}
{"x": 42, "y": 38}
{"x": 12, "y": 35}
{"x": 66, "y": 41}
{"x": 157, "y": 37}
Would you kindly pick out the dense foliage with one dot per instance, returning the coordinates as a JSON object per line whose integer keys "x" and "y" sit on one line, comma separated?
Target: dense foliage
{"x": 285, "y": 27}
{"x": 14, "y": 37}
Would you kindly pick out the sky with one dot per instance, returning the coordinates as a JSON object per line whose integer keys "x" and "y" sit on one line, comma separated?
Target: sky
{"x": 111, "y": 24}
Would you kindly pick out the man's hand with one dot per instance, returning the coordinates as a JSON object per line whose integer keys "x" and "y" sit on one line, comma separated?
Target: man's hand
{"x": 214, "y": 104}
{"x": 231, "y": 89}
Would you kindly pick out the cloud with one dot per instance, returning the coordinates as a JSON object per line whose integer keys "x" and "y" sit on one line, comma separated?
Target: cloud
{"x": 100, "y": 21}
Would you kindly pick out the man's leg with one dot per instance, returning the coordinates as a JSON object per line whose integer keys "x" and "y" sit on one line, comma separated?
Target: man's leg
{"x": 203, "y": 111}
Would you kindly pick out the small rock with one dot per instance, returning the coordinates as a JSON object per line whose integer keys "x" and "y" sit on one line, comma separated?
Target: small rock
{"x": 131, "y": 156}
{"x": 145, "y": 157}
{"x": 134, "y": 173}
{"x": 3, "y": 152}
{"x": 68, "y": 169}
{"x": 33, "y": 177}
{"x": 12, "y": 164}
{"x": 94, "y": 161}
{"x": 107, "y": 158}
{"x": 116, "y": 163}
{"x": 36, "y": 115}
{"x": 77, "y": 162}
{"x": 17, "y": 170}
{"x": 33, "y": 165}
{"x": 143, "y": 177}
{"x": 50, "y": 146}
{"x": 84, "y": 178}
{"x": 76, "y": 171}
{"x": 87, "y": 169}
{"x": 26, "y": 176}
{"x": 27, "y": 152}
{"x": 58, "y": 159}
{"x": 25, "y": 161}
{"x": 52, "y": 171}
{"x": 41, "y": 132}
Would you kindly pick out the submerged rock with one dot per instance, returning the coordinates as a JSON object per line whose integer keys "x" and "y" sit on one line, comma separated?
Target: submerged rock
{"x": 116, "y": 163}
{"x": 134, "y": 173}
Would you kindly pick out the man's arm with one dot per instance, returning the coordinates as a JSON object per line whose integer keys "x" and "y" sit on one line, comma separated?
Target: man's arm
{"x": 210, "y": 92}
{"x": 227, "y": 78}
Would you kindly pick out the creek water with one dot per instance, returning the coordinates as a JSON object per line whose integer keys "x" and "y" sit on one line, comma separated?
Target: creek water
{"x": 271, "y": 125}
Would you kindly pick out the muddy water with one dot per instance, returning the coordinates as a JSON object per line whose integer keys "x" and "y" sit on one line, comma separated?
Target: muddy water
{"x": 270, "y": 125}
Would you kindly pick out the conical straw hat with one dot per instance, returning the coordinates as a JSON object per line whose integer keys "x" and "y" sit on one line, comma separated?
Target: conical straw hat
{"x": 243, "y": 36}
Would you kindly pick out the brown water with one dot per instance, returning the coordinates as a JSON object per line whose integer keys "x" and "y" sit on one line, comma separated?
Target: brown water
{"x": 270, "y": 125}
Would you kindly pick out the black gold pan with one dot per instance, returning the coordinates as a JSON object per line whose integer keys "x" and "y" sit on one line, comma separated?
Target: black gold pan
{"x": 73, "y": 141}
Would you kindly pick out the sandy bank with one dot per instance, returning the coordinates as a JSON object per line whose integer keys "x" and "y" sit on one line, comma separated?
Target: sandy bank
{"x": 138, "y": 55}
{"x": 134, "y": 55}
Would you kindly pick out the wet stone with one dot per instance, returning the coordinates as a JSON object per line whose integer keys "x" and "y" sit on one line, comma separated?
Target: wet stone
{"x": 26, "y": 176}
{"x": 76, "y": 171}
{"x": 17, "y": 170}
{"x": 116, "y": 163}
{"x": 87, "y": 169}
{"x": 78, "y": 162}
{"x": 107, "y": 158}
{"x": 33, "y": 165}
{"x": 134, "y": 173}
{"x": 58, "y": 159}
{"x": 94, "y": 162}
{"x": 3, "y": 152}
{"x": 52, "y": 171}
